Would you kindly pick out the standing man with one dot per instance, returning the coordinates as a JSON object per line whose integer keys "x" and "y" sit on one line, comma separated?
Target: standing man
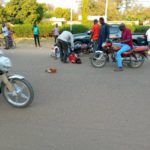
{"x": 95, "y": 34}
{"x": 5, "y": 34}
{"x": 148, "y": 37}
{"x": 64, "y": 39}
{"x": 36, "y": 33}
{"x": 56, "y": 32}
{"x": 104, "y": 33}
{"x": 126, "y": 44}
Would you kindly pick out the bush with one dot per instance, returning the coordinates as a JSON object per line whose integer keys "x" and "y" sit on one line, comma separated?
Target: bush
{"x": 141, "y": 29}
{"x": 77, "y": 28}
{"x": 25, "y": 30}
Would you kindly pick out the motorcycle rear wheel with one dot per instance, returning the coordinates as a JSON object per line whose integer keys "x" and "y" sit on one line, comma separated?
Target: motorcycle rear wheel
{"x": 24, "y": 91}
{"x": 98, "y": 59}
{"x": 136, "y": 61}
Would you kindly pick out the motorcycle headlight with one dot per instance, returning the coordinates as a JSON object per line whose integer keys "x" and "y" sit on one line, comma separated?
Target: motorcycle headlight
{"x": 5, "y": 63}
{"x": 104, "y": 44}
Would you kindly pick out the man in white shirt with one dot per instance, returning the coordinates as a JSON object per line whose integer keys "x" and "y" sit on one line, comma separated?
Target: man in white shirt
{"x": 64, "y": 39}
{"x": 5, "y": 34}
{"x": 148, "y": 37}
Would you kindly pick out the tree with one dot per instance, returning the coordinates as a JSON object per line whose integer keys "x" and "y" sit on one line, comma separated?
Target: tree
{"x": 85, "y": 4}
{"x": 62, "y": 13}
{"x": 137, "y": 13}
{"x": 97, "y": 8}
{"x": 49, "y": 11}
{"x": 1, "y": 12}
{"x": 24, "y": 11}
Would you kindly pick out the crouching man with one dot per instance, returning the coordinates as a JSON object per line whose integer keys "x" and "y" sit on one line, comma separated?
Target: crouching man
{"x": 63, "y": 41}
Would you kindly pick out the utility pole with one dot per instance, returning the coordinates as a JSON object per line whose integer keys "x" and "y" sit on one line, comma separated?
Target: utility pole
{"x": 71, "y": 14}
{"x": 106, "y": 11}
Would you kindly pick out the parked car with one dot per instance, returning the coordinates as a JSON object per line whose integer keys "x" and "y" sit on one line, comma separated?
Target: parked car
{"x": 115, "y": 33}
{"x": 139, "y": 39}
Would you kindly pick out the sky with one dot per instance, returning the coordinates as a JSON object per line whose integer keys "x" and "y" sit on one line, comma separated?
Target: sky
{"x": 72, "y": 3}
{"x": 61, "y": 3}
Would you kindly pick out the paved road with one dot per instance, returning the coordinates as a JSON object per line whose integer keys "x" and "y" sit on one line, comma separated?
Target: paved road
{"x": 79, "y": 108}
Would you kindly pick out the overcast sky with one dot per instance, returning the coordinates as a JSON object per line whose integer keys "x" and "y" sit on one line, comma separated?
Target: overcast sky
{"x": 61, "y": 3}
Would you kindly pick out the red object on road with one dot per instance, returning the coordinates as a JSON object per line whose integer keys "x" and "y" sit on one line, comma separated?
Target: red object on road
{"x": 73, "y": 58}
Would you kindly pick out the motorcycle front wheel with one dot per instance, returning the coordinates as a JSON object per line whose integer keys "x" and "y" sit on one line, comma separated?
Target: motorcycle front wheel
{"x": 24, "y": 93}
{"x": 98, "y": 59}
{"x": 136, "y": 61}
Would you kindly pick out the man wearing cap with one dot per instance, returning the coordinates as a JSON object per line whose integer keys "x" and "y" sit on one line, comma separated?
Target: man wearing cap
{"x": 126, "y": 45}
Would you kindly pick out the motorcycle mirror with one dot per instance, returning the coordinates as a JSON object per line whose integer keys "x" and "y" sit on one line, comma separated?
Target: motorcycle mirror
{"x": 89, "y": 32}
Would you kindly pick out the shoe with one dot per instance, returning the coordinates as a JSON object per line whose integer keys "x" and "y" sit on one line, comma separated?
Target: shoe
{"x": 118, "y": 69}
{"x": 51, "y": 70}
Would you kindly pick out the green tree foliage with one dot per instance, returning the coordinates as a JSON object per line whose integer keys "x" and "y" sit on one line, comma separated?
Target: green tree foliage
{"x": 62, "y": 13}
{"x": 1, "y": 12}
{"x": 24, "y": 11}
{"x": 97, "y": 8}
{"x": 85, "y": 5}
{"x": 137, "y": 13}
{"x": 49, "y": 11}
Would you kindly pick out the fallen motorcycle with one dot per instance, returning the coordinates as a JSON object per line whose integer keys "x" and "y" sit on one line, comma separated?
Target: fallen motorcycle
{"x": 134, "y": 58}
{"x": 16, "y": 90}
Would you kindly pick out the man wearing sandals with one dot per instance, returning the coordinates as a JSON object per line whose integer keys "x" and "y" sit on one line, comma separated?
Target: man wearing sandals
{"x": 125, "y": 44}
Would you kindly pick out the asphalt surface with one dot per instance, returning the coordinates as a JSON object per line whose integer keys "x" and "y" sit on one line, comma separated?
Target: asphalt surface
{"x": 79, "y": 108}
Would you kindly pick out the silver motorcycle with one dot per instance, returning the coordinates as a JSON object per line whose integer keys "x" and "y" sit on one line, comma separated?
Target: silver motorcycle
{"x": 16, "y": 90}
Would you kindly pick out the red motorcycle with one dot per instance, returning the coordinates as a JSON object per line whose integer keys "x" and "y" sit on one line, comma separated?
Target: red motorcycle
{"x": 134, "y": 58}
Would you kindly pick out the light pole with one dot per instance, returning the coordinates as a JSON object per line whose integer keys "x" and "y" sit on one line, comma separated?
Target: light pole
{"x": 106, "y": 10}
{"x": 71, "y": 14}
{"x": 71, "y": 18}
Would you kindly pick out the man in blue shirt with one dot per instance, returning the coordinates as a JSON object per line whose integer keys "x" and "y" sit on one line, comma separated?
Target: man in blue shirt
{"x": 36, "y": 33}
{"x": 104, "y": 33}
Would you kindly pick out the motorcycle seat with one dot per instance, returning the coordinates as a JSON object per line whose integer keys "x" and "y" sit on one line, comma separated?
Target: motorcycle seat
{"x": 140, "y": 48}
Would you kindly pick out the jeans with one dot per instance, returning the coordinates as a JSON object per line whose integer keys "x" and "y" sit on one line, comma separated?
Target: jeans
{"x": 6, "y": 42}
{"x": 124, "y": 48}
{"x": 63, "y": 46}
{"x": 95, "y": 45}
{"x": 36, "y": 39}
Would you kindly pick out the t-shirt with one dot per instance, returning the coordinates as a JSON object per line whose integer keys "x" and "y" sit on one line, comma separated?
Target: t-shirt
{"x": 95, "y": 32}
{"x": 148, "y": 35}
{"x": 35, "y": 30}
{"x": 5, "y": 31}
{"x": 67, "y": 36}
{"x": 126, "y": 34}
{"x": 56, "y": 31}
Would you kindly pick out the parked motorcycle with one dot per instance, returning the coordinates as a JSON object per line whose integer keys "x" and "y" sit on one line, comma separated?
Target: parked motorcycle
{"x": 83, "y": 48}
{"x": 16, "y": 90}
{"x": 134, "y": 58}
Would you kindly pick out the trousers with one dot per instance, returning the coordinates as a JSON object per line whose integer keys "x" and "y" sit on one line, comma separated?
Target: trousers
{"x": 124, "y": 48}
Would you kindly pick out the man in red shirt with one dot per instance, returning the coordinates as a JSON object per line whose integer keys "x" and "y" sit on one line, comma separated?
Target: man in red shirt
{"x": 126, "y": 45}
{"x": 95, "y": 34}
